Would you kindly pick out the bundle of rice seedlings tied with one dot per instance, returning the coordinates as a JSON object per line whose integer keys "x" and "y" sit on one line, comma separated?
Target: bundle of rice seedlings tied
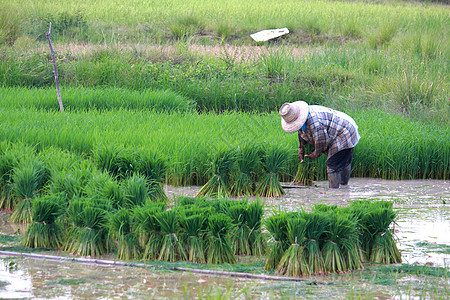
{"x": 253, "y": 220}
{"x": 192, "y": 226}
{"x": 102, "y": 185}
{"x": 240, "y": 242}
{"x": 28, "y": 179}
{"x": 120, "y": 226}
{"x": 274, "y": 163}
{"x": 172, "y": 248}
{"x": 293, "y": 262}
{"x": 135, "y": 190}
{"x": 339, "y": 250}
{"x": 316, "y": 224}
{"x": 248, "y": 162}
{"x": 219, "y": 250}
{"x": 88, "y": 234}
{"x": 218, "y": 184}
{"x": 116, "y": 160}
{"x": 154, "y": 169}
{"x": 279, "y": 242}
{"x": 11, "y": 156}
{"x": 44, "y": 232}
{"x": 382, "y": 246}
{"x": 148, "y": 229}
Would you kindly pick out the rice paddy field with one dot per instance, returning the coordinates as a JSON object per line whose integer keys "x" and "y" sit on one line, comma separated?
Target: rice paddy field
{"x": 169, "y": 149}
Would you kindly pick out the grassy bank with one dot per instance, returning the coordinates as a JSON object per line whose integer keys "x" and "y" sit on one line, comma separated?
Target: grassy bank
{"x": 342, "y": 54}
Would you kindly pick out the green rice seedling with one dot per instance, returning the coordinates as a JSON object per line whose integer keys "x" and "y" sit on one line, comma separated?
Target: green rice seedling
{"x": 44, "y": 232}
{"x": 219, "y": 250}
{"x": 27, "y": 179}
{"x": 316, "y": 224}
{"x": 172, "y": 248}
{"x": 148, "y": 230}
{"x": 240, "y": 242}
{"x": 154, "y": 169}
{"x": 185, "y": 201}
{"x": 275, "y": 163}
{"x": 135, "y": 190}
{"x": 222, "y": 166}
{"x": 253, "y": 220}
{"x": 277, "y": 227}
{"x": 102, "y": 185}
{"x": 325, "y": 208}
{"x": 192, "y": 227}
{"x": 248, "y": 161}
{"x": 339, "y": 250}
{"x": 8, "y": 162}
{"x": 121, "y": 229}
{"x": 382, "y": 245}
{"x": 293, "y": 262}
{"x": 115, "y": 160}
{"x": 87, "y": 234}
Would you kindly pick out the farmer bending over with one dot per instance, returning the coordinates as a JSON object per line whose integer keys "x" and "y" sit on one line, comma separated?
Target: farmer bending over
{"x": 328, "y": 131}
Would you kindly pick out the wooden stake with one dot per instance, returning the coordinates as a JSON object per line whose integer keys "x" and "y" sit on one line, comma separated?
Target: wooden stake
{"x": 55, "y": 71}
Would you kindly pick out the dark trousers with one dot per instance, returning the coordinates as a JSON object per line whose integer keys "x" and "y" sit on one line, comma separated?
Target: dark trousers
{"x": 339, "y": 168}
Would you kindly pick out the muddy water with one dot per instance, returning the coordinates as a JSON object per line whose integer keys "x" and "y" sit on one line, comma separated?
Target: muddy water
{"x": 423, "y": 229}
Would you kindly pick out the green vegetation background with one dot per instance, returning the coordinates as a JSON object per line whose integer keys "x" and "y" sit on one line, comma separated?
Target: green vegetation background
{"x": 184, "y": 79}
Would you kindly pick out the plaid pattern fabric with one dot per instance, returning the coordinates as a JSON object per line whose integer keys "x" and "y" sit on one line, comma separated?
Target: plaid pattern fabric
{"x": 328, "y": 131}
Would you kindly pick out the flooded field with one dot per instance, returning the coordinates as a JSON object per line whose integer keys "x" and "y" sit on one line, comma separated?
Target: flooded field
{"x": 423, "y": 229}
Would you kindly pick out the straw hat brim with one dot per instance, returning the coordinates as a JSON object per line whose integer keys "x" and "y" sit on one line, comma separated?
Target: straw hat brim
{"x": 298, "y": 123}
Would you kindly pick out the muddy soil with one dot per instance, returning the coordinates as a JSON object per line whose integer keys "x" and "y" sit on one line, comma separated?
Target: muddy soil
{"x": 423, "y": 229}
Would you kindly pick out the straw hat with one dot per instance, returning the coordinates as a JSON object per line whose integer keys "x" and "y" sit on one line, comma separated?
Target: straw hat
{"x": 293, "y": 115}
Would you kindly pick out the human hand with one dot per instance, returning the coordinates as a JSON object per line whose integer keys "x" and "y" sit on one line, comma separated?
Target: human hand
{"x": 300, "y": 155}
{"x": 312, "y": 155}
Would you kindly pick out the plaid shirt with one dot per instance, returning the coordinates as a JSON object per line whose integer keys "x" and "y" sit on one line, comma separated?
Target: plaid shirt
{"x": 328, "y": 130}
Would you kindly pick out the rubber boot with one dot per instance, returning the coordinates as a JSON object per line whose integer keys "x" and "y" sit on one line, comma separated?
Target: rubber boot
{"x": 345, "y": 174}
{"x": 334, "y": 179}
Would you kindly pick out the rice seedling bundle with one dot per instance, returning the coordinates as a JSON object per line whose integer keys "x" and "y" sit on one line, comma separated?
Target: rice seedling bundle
{"x": 340, "y": 240}
{"x": 316, "y": 224}
{"x": 240, "y": 241}
{"x": 275, "y": 163}
{"x": 148, "y": 229}
{"x": 44, "y": 231}
{"x": 27, "y": 179}
{"x": 248, "y": 161}
{"x": 293, "y": 262}
{"x": 154, "y": 169}
{"x": 7, "y": 165}
{"x": 102, "y": 185}
{"x": 219, "y": 249}
{"x": 277, "y": 227}
{"x": 192, "y": 226}
{"x": 253, "y": 221}
{"x": 121, "y": 228}
{"x": 135, "y": 190}
{"x": 218, "y": 184}
{"x": 381, "y": 247}
{"x": 87, "y": 235}
{"x": 115, "y": 160}
{"x": 172, "y": 247}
